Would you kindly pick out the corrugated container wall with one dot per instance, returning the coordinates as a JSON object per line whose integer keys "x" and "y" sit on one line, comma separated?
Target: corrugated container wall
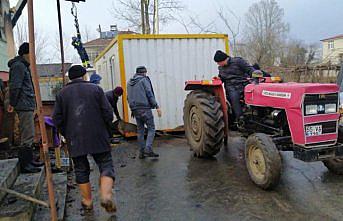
{"x": 170, "y": 59}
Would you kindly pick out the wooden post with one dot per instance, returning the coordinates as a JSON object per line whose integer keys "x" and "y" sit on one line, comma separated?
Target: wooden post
{"x": 35, "y": 79}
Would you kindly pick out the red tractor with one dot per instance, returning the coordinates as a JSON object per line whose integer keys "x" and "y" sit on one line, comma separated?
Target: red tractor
{"x": 297, "y": 117}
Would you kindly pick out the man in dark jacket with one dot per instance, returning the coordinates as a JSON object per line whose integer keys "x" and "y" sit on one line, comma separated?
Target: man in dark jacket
{"x": 82, "y": 114}
{"x": 113, "y": 97}
{"x": 22, "y": 101}
{"x": 234, "y": 73}
{"x": 141, "y": 97}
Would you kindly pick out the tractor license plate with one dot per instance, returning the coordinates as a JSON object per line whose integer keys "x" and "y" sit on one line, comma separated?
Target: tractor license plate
{"x": 314, "y": 130}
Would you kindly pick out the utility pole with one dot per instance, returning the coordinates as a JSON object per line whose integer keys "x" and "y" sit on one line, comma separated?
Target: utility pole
{"x": 61, "y": 41}
{"x": 156, "y": 18}
{"x": 42, "y": 127}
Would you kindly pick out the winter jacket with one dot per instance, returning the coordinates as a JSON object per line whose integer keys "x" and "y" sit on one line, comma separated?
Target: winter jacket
{"x": 113, "y": 100}
{"x": 22, "y": 95}
{"x": 235, "y": 72}
{"x": 140, "y": 93}
{"x": 83, "y": 116}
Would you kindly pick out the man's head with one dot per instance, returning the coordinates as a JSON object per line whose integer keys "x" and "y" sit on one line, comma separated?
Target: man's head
{"x": 221, "y": 58}
{"x": 24, "y": 51}
{"x": 76, "y": 71}
{"x": 141, "y": 70}
{"x": 118, "y": 91}
{"x": 256, "y": 66}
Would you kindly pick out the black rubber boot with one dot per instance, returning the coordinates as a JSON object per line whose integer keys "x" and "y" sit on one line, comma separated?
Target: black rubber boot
{"x": 25, "y": 158}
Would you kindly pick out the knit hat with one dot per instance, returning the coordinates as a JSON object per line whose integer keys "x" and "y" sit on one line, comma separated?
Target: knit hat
{"x": 24, "y": 49}
{"x": 76, "y": 71}
{"x": 220, "y": 56}
{"x": 118, "y": 91}
{"x": 95, "y": 78}
{"x": 141, "y": 70}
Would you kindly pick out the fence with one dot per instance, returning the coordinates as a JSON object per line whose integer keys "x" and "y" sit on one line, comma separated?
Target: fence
{"x": 324, "y": 73}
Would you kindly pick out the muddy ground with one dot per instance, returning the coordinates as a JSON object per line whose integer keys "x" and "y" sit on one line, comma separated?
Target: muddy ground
{"x": 178, "y": 186}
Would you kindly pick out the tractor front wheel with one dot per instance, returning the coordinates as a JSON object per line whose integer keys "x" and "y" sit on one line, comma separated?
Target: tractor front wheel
{"x": 263, "y": 161}
{"x": 204, "y": 123}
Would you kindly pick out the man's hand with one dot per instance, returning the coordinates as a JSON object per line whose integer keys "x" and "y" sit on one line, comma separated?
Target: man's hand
{"x": 10, "y": 109}
{"x": 159, "y": 112}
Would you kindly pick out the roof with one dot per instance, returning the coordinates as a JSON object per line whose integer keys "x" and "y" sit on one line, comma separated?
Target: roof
{"x": 161, "y": 36}
{"x": 51, "y": 70}
{"x": 332, "y": 38}
{"x": 104, "y": 41}
{"x": 98, "y": 42}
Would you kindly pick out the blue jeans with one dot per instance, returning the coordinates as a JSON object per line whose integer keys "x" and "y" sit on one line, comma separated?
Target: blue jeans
{"x": 233, "y": 95}
{"x": 145, "y": 117}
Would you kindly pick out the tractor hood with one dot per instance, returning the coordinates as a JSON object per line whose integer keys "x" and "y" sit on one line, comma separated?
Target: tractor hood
{"x": 290, "y": 97}
{"x": 284, "y": 95}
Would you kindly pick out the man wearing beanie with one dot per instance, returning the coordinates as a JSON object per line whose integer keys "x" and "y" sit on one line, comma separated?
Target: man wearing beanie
{"x": 83, "y": 115}
{"x": 141, "y": 97}
{"x": 22, "y": 101}
{"x": 113, "y": 97}
{"x": 234, "y": 72}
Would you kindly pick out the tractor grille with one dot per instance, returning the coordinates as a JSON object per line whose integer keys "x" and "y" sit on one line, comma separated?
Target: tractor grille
{"x": 320, "y": 100}
{"x": 327, "y": 127}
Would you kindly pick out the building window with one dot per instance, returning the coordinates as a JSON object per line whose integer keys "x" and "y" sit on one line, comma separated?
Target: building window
{"x": 331, "y": 45}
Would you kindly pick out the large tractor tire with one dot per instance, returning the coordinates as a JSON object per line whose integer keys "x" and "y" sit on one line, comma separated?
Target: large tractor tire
{"x": 204, "y": 123}
{"x": 263, "y": 161}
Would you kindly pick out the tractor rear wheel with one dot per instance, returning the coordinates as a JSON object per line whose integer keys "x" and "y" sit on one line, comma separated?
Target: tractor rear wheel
{"x": 263, "y": 161}
{"x": 204, "y": 123}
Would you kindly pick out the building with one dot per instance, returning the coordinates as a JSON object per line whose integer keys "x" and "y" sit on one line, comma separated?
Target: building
{"x": 8, "y": 19}
{"x": 4, "y": 9}
{"x": 94, "y": 47}
{"x": 333, "y": 49}
{"x": 50, "y": 79}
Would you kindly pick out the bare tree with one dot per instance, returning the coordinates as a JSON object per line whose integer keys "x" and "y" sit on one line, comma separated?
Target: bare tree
{"x": 21, "y": 36}
{"x": 312, "y": 53}
{"x": 87, "y": 33}
{"x": 293, "y": 53}
{"x": 130, "y": 12}
{"x": 265, "y": 31}
{"x": 228, "y": 17}
{"x": 69, "y": 53}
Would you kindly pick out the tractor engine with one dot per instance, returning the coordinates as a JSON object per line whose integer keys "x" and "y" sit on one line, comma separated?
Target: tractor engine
{"x": 270, "y": 120}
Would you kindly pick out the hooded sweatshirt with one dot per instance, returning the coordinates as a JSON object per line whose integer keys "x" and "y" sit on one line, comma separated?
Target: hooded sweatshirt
{"x": 22, "y": 95}
{"x": 140, "y": 93}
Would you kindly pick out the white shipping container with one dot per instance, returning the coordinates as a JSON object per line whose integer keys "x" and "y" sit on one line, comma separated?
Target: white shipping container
{"x": 170, "y": 60}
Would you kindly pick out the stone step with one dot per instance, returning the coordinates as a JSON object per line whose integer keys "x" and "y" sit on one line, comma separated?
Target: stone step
{"x": 16, "y": 209}
{"x": 60, "y": 186}
{"x": 9, "y": 170}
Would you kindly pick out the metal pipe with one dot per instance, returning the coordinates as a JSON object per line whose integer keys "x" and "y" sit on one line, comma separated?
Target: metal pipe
{"x": 25, "y": 197}
{"x": 61, "y": 40}
{"x": 39, "y": 111}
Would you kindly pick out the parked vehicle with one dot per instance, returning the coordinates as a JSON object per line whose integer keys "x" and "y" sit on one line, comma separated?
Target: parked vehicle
{"x": 298, "y": 117}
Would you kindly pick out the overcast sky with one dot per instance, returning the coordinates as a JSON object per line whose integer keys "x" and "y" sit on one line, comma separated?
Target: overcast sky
{"x": 310, "y": 20}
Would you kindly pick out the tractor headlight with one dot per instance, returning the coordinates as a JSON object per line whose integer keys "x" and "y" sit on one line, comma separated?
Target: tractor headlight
{"x": 311, "y": 109}
{"x": 330, "y": 108}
